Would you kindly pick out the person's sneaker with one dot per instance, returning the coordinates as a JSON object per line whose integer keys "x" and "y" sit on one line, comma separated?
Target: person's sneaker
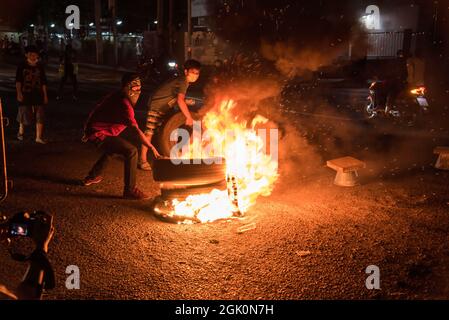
{"x": 395, "y": 113}
{"x": 87, "y": 181}
{"x": 145, "y": 166}
{"x": 41, "y": 141}
{"x": 136, "y": 194}
{"x": 20, "y": 137}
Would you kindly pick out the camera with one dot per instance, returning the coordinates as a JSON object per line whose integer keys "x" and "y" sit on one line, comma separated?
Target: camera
{"x": 19, "y": 229}
{"x": 23, "y": 224}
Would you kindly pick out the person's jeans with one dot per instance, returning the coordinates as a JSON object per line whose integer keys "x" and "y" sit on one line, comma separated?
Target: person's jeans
{"x": 118, "y": 145}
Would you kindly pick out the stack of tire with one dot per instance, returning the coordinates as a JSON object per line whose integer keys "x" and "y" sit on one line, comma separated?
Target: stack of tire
{"x": 178, "y": 181}
{"x": 181, "y": 180}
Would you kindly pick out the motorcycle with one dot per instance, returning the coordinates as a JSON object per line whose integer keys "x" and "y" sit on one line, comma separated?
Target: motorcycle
{"x": 409, "y": 105}
{"x": 153, "y": 73}
{"x": 147, "y": 70}
{"x": 172, "y": 68}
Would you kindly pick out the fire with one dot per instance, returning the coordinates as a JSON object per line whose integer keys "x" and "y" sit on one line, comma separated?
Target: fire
{"x": 420, "y": 91}
{"x": 249, "y": 167}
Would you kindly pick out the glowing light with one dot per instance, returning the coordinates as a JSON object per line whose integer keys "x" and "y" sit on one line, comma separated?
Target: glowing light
{"x": 419, "y": 91}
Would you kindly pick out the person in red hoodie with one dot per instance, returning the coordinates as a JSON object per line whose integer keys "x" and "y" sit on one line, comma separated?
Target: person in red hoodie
{"x": 106, "y": 122}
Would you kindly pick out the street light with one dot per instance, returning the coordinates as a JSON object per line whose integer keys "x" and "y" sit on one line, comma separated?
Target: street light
{"x": 155, "y": 21}
{"x": 119, "y": 22}
{"x": 32, "y": 25}
{"x": 52, "y": 25}
{"x": 91, "y": 24}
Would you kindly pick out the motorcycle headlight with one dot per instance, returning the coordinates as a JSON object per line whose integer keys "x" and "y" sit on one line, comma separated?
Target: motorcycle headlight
{"x": 420, "y": 91}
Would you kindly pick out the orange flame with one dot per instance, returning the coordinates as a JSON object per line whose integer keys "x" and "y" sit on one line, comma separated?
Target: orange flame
{"x": 244, "y": 149}
{"x": 420, "y": 91}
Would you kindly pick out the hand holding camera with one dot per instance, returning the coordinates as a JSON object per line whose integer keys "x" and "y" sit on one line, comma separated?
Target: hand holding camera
{"x": 37, "y": 225}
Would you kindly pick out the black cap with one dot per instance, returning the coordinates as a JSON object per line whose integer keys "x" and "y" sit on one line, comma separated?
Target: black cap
{"x": 192, "y": 64}
{"x": 128, "y": 77}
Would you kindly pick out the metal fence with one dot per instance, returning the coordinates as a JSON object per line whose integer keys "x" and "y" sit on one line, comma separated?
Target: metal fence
{"x": 384, "y": 44}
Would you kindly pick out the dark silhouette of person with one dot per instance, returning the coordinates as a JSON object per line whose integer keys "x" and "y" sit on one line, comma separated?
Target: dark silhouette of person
{"x": 68, "y": 59}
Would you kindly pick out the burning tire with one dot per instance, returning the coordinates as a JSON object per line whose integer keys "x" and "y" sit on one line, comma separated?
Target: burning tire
{"x": 165, "y": 171}
{"x": 170, "y": 192}
{"x": 174, "y": 122}
{"x": 164, "y": 205}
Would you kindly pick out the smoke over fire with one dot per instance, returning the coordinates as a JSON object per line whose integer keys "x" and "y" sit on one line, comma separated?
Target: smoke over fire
{"x": 256, "y": 90}
{"x": 296, "y": 38}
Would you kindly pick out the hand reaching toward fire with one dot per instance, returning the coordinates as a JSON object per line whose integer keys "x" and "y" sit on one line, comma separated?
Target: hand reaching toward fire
{"x": 157, "y": 155}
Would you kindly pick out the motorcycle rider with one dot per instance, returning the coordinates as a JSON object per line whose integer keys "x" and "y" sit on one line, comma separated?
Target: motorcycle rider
{"x": 396, "y": 81}
{"x": 416, "y": 68}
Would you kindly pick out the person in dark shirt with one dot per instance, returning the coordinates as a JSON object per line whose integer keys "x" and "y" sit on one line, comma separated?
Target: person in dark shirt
{"x": 106, "y": 122}
{"x": 31, "y": 86}
{"x": 165, "y": 98}
{"x": 70, "y": 70}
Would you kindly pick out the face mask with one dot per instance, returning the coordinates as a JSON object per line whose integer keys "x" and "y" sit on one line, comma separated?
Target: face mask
{"x": 32, "y": 58}
{"x": 133, "y": 90}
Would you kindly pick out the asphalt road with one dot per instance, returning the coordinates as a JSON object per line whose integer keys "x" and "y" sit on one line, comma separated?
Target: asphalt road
{"x": 312, "y": 240}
